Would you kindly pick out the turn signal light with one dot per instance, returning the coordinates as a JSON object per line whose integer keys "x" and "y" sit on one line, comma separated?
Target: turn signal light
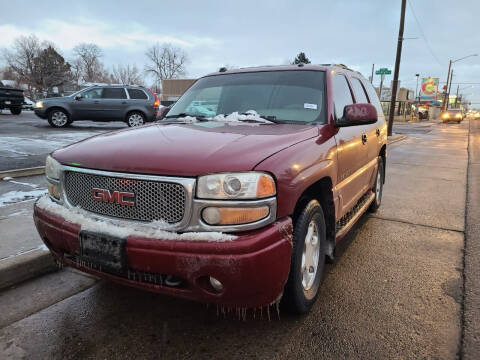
{"x": 234, "y": 216}
{"x": 54, "y": 191}
{"x": 265, "y": 187}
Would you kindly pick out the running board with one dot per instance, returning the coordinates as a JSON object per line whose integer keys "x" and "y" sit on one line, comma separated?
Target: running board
{"x": 346, "y": 222}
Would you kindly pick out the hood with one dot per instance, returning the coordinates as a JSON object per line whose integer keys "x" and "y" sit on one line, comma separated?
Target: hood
{"x": 184, "y": 149}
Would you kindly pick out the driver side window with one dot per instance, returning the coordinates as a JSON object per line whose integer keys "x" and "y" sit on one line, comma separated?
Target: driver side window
{"x": 93, "y": 93}
{"x": 342, "y": 95}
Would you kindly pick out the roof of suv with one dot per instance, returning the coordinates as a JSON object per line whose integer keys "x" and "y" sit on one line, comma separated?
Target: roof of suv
{"x": 322, "y": 67}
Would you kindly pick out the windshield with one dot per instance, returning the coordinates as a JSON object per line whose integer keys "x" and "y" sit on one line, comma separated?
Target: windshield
{"x": 286, "y": 96}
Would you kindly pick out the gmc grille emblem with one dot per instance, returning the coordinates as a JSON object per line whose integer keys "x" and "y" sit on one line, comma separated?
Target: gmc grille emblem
{"x": 113, "y": 197}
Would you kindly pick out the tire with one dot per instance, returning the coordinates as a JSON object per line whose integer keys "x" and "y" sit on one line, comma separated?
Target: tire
{"x": 378, "y": 187}
{"x": 16, "y": 111}
{"x": 135, "y": 118}
{"x": 302, "y": 286}
{"x": 58, "y": 118}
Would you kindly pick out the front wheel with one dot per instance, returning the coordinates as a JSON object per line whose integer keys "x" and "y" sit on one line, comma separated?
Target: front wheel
{"x": 308, "y": 259}
{"x": 378, "y": 187}
{"x": 58, "y": 118}
{"x": 135, "y": 119}
{"x": 16, "y": 111}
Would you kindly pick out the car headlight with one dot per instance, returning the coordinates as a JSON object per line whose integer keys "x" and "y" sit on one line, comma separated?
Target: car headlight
{"x": 246, "y": 185}
{"x": 458, "y": 115}
{"x": 39, "y": 104}
{"x": 52, "y": 168}
{"x": 445, "y": 116}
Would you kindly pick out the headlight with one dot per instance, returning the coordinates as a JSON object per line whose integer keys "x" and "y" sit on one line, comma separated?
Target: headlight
{"x": 445, "y": 116}
{"x": 52, "y": 168}
{"x": 247, "y": 185}
{"x": 39, "y": 104}
{"x": 458, "y": 115}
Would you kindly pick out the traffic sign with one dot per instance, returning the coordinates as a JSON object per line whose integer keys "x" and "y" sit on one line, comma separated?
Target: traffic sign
{"x": 383, "y": 71}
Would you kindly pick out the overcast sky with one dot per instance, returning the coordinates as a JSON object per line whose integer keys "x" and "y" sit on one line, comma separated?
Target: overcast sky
{"x": 243, "y": 33}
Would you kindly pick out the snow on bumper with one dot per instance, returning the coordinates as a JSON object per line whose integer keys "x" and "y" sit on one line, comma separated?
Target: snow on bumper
{"x": 253, "y": 266}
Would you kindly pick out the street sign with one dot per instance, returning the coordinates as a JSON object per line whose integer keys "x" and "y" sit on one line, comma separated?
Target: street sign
{"x": 383, "y": 71}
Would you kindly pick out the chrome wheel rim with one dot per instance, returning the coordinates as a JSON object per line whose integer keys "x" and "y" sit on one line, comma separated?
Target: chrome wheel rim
{"x": 310, "y": 256}
{"x": 59, "y": 118}
{"x": 135, "y": 120}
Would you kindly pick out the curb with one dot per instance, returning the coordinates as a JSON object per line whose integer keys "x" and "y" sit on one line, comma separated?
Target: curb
{"x": 38, "y": 170}
{"x": 395, "y": 139}
{"x": 27, "y": 265}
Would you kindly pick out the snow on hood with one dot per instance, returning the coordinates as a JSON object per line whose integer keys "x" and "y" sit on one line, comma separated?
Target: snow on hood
{"x": 124, "y": 229}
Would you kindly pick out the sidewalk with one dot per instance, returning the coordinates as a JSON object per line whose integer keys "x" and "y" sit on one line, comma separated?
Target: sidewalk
{"x": 22, "y": 254}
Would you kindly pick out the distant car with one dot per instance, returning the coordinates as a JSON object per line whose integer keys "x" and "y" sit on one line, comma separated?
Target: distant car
{"x": 28, "y": 104}
{"x": 476, "y": 115}
{"x": 456, "y": 115}
{"x": 422, "y": 112}
{"x": 133, "y": 104}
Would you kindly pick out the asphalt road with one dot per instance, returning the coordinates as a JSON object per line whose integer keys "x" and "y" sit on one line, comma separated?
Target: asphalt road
{"x": 25, "y": 139}
{"x": 395, "y": 290}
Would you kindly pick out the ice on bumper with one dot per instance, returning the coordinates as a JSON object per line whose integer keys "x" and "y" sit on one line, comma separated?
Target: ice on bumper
{"x": 119, "y": 228}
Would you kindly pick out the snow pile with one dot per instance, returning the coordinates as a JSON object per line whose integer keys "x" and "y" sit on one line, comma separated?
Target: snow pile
{"x": 251, "y": 115}
{"x": 123, "y": 229}
{"x": 12, "y": 197}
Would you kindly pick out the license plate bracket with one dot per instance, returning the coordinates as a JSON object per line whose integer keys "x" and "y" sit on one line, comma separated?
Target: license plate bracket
{"x": 103, "y": 251}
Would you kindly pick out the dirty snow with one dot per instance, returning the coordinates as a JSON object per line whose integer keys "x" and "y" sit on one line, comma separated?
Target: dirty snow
{"x": 123, "y": 229}
{"x": 9, "y": 179}
{"x": 13, "y": 197}
{"x": 233, "y": 117}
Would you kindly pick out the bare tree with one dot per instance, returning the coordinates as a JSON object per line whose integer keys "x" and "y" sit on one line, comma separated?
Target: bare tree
{"x": 165, "y": 62}
{"x": 21, "y": 58}
{"x": 88, "y": 59}
{"x": 127, "y": 74}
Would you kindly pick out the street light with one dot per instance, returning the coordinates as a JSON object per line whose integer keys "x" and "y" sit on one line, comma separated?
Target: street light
{"x": 416, "y": 89}
{"x": 445, "y": 98}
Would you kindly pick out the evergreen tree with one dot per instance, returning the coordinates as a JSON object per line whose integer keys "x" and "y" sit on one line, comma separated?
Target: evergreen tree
{"x": 301, "y": 58}
{"x": 50, "y": 69}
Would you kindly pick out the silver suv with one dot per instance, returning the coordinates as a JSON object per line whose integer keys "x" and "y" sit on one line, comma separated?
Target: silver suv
{"x": 133, "y": 104}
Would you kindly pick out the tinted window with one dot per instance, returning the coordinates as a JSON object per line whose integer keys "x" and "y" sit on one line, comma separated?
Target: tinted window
{"x": 289, "y": 96}
{"x": 137, "y": 94}
{"x": 114, "y": 93}
{"x": 93, "y": 93}
{"x": 341, "y": 95}
{"x": 372, "y": 95}
{"x": 360, "y": 96}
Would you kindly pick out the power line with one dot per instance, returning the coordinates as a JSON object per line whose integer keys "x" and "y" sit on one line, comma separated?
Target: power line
{"x": 423, "y": 34}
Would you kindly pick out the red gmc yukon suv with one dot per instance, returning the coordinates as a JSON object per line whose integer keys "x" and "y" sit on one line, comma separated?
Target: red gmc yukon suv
{"x": 237, "y": 197}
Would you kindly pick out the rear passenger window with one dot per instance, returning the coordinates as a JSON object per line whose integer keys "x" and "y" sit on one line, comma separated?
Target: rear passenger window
{"x": 341, "y": 95}
{"x": 372, "y": 95}
{"x": 359, "y": 91}
{"x": 114, "y": 93}
{"x": 137, "y": 94}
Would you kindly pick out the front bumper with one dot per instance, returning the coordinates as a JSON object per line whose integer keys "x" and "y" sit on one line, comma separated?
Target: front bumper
{"x": 253, "y": 268}
{"x": 41, "y": 113}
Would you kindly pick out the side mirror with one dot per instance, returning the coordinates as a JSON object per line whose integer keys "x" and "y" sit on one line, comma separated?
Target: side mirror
{"x": 78, "y": 97}
{"x": 162, "y": 112}
{"x": 358, "y": 114}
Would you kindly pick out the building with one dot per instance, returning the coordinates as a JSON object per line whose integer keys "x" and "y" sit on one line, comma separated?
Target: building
{"x": 172, "y": 89}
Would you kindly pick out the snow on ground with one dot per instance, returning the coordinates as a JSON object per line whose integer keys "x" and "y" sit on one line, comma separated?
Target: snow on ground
{"x": 9, "y": 179}
{"x": 17, "y": 146}
{"x": 123, "y": 229}
{"x": 13, "y": 197}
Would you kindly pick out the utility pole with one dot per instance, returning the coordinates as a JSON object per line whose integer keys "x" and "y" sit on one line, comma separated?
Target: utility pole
{"x": 449, "y": 89}
{"x": 381, "y": 86}
{"x": 445, "y": 97}
{"x": 373, "y": 68}
{"x": 416, "y": 89}
{"x": 456, "y": 97}
{"x": 397, "y": 69}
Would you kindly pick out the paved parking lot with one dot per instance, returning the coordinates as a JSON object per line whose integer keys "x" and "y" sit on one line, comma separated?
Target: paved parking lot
{"x": 395, "y": 290}
{"x": 25, "y": 140}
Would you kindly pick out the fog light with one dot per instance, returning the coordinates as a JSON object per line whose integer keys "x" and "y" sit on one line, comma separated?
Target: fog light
{"x": 54, "y": 191}
{"x": 234, "y": 216}
{"x": 216, "y": 284}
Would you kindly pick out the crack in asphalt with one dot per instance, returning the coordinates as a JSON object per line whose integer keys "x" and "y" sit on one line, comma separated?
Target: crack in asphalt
{"x": 416, "y": 224}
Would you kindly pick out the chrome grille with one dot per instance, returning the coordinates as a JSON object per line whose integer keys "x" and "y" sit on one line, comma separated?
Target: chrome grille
{"x": 154, "y": 200}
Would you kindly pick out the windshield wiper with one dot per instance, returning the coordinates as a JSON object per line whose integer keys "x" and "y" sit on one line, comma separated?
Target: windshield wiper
{"x": 198, "y": 117}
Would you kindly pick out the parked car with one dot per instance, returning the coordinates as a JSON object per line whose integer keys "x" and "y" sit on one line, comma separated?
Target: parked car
{"x": 28, "y": 104}
{"x": 240, "y": 209}
{"x": 135, "y": 105}
{"x": 456, "y": 115}
{"x": 11, "y": 98}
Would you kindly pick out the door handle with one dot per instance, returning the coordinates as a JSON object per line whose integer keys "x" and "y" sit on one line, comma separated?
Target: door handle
{"x": 124, "y": 102}
{"x": 364, "y": 138}
{"x": 377, "y": 132}
{"x": 96, "y": 102}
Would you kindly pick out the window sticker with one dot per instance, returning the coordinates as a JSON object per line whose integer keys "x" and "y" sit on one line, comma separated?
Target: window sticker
{"x": 310, "y": 106}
